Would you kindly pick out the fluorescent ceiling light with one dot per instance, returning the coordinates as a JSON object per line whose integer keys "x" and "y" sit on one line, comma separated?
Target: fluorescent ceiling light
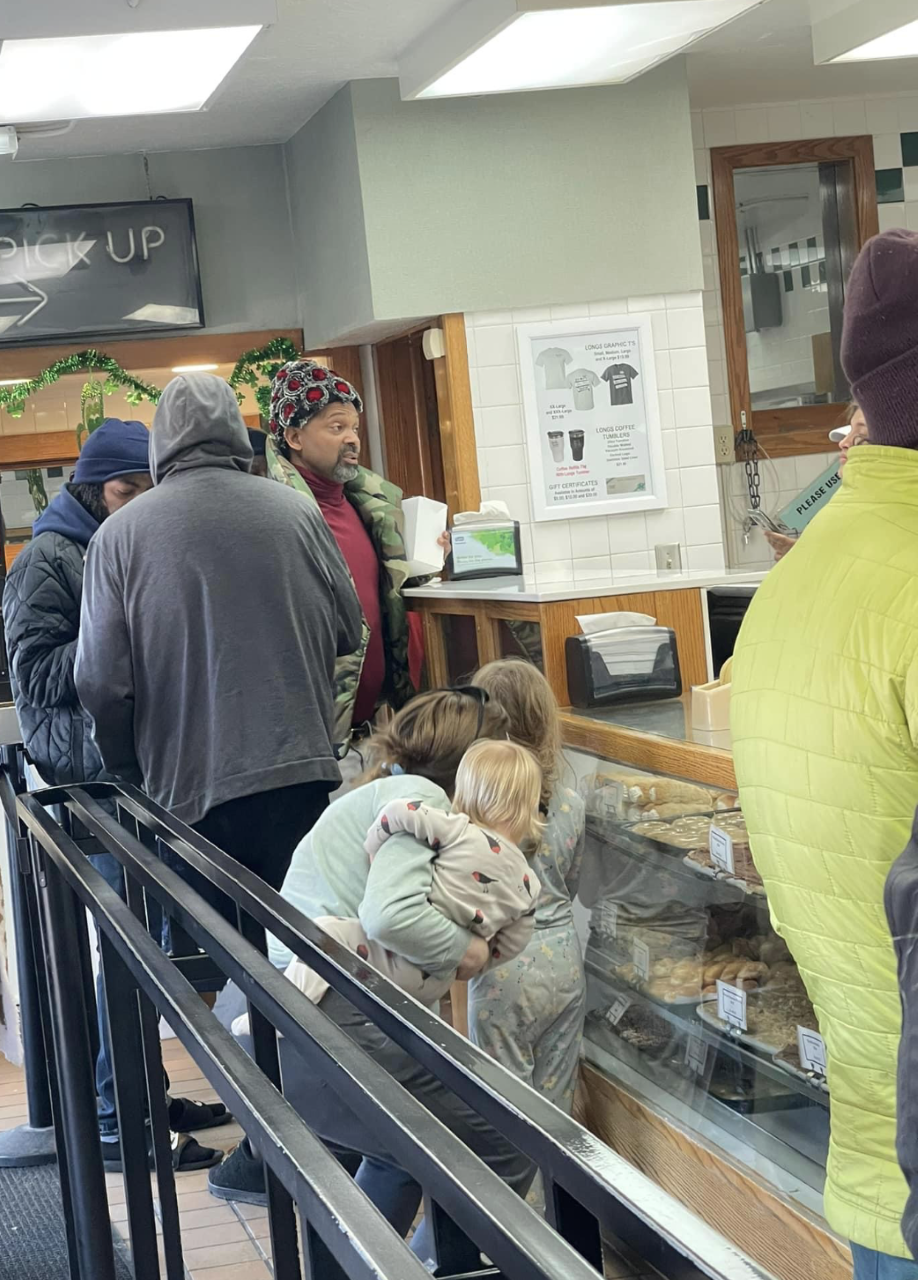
{"x": 195, "y": 368}
{"x": 137, "y": 73}
{"x": 536, "y": 44}
{"x": 901, "y": 43}
{"x": 155, "y": 313}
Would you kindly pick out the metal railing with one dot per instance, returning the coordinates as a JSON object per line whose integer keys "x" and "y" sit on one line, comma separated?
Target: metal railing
{"x": 590, "y": 1191}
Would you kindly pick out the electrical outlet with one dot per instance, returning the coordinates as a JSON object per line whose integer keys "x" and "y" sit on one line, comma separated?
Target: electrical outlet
{"x": 724, "y": 448}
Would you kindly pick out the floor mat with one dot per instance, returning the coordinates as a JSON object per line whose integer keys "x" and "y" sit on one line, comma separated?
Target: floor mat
{"x": 33, "y": 1236}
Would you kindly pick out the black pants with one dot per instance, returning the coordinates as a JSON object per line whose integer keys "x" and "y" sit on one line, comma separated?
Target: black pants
{"x": 261, "y": 832}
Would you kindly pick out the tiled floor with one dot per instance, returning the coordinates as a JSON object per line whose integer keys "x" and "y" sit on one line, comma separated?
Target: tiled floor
{"x": 221, "y": 1241}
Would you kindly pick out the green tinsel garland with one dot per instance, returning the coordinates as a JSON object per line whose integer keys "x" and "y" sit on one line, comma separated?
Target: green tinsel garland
{"x": 14, "y": 398}
{"x": 253, "y": 367}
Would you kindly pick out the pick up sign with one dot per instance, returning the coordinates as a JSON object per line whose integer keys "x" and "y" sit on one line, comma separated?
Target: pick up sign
{"x": 98, "y": 270}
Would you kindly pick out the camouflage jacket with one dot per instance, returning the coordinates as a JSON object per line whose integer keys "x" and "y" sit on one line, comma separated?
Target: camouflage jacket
{"x": 379, "y": 505}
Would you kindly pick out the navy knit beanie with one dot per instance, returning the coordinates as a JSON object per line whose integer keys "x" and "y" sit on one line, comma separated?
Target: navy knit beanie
{"x": 115, "y": 448}
{"x": 880, "y": 339}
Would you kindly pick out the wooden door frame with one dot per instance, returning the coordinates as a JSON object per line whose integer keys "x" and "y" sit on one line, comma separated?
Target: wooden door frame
{"x": 454, "y": 405}
{"x": 780, "y": 432}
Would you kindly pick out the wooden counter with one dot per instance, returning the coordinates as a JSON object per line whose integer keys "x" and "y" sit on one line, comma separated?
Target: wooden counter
{"x": 656, "y": 753}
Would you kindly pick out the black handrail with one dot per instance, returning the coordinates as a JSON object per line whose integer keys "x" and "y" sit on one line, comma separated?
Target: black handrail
{"x": 587, "y": 1185}
{"x": 32, "y": 1143}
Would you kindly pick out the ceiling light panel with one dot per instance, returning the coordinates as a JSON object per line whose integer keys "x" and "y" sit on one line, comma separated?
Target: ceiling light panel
{"x": 521, "y": 45}
{"x": 129, "y": 74}
{"x": 900, "y": 43}
{"x": 865, "y": 31}
{"x": 50, "y": 19}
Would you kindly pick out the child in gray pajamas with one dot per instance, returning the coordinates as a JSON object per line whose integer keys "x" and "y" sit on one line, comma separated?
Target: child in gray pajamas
{"x": 479, "y": 876}
{"x": 528, "y": 1013}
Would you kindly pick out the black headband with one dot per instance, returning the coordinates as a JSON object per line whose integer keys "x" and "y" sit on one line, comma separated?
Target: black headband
{"x": 481, "y": 696}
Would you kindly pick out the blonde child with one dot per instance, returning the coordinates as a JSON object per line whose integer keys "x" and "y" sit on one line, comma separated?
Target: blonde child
{"x": 480, "y": 878}
{"x": 528, "y": 1013}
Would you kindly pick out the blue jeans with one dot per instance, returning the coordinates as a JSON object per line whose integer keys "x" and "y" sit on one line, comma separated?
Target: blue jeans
{"x": 109, "y": 868}
{"x": 870, "y": 1265}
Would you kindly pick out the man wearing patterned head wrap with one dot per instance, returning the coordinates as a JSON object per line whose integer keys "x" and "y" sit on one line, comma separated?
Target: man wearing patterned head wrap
{"x": 314, "y": 447}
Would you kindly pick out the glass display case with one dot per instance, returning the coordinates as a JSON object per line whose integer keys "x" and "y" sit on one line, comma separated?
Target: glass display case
{"x": 690, "y": 991}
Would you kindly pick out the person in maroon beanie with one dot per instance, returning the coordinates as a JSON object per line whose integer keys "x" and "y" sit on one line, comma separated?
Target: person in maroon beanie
{"x": 314, "y": 446}
{"x": 824, "y": 722}
{"x": 880, "y": 340}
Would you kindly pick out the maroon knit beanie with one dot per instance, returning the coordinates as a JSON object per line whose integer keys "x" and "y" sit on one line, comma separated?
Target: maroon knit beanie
{"x": 880, "y": 339}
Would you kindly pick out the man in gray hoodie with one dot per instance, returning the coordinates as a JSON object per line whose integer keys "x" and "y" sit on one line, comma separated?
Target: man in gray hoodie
{"x": 214, "y": 608}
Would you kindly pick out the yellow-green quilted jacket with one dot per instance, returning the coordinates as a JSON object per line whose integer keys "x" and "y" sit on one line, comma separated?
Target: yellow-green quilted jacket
{"x": 825, "y": 726}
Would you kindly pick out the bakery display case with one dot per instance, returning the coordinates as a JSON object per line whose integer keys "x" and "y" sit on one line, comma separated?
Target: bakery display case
{"x": 689, "y": 988}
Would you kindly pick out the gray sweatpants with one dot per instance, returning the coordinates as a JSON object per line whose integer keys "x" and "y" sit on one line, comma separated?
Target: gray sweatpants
{"x": 329, "y": 1116}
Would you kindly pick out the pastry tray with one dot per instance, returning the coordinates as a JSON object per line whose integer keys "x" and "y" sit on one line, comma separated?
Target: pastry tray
{"x": 733, "y": 1033}
{"x": 713, "y": 873}
{"x": 638, "y": 839}
{"x": 642, "y": 989}
{"x": 818, "y": 1082}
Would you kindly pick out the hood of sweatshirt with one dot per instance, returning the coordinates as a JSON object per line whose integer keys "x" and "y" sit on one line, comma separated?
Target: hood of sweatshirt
{"x": 197, "y": 424}
{"x": 66, "y": 516}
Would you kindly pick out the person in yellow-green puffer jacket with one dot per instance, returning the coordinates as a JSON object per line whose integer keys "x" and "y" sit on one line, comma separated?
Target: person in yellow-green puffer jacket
{"x": 825, "y": 733}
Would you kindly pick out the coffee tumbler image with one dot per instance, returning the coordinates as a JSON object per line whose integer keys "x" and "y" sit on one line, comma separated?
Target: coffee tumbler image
{"x": 556, "y": 444}
{"x": 576, "y": 445}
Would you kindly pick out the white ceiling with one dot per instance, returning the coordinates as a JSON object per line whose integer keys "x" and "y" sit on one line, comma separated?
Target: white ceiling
{"x": 318, "y": 45}
{"x": 767, "y": 56}
{"x": 290, "y": 71}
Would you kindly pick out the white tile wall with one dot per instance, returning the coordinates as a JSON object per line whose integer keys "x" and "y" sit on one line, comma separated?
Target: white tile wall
{"x": 883, "y": 117}
{"x": 595, "y": 548}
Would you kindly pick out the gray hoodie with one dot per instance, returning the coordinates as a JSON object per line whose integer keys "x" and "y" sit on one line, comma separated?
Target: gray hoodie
{"x": 214, "y": 608}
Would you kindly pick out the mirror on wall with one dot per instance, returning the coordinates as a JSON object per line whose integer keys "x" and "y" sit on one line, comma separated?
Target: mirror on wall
{"x": 791, "y": 219}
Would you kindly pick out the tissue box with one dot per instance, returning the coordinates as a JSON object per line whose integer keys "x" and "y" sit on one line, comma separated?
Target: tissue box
{"x": 487, "y": 550}
{"x": 425, "y": 522}
{"x": 628, "y": 664}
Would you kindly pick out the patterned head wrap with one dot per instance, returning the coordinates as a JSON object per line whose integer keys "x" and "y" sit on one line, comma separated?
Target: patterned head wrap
{"x": 303, "y": 388}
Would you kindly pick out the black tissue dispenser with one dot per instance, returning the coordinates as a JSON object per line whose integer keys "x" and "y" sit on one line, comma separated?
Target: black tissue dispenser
{"x": 625, "y": 664}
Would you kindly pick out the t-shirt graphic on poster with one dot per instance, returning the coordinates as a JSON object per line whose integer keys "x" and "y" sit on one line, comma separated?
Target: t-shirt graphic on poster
{"x": 620, "y": 378}
{"x": 582, "y": 382}
{"x": 554, "y": 362}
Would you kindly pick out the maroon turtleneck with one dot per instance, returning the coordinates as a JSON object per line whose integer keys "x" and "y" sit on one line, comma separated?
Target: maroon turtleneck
{"x": 360, "y": 556}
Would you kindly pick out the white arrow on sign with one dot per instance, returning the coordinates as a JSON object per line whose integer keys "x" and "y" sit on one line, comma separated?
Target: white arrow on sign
{"x": 32, "y": 292}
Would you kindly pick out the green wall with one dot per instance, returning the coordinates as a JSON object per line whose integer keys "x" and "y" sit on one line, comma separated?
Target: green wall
{"x": 327, "y": 214}
{"x": 473, "y": 204}
{"x": 525, "y": 199}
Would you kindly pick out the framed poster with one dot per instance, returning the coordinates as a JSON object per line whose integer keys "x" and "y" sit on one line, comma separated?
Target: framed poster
{"x": 591, "y": 417}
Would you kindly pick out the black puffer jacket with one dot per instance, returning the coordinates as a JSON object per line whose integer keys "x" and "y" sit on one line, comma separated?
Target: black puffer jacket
{"x": 41, "y": 614}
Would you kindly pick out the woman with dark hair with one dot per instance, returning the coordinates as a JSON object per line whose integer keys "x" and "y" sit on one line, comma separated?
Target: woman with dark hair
{"x": 414, "y": 758}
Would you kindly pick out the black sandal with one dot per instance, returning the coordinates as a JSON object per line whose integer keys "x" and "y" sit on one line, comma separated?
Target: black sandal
{"x": 188, "y": 1155}
{"x": 186, "y": 1115}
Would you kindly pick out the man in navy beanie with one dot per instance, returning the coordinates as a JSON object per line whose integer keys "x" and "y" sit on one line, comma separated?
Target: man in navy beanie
{"x": 41, "y": 614}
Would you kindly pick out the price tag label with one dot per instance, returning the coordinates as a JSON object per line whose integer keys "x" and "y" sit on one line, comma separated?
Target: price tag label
{"x": 642, "y": 959}
{"x": 812, "y": 1050}
{"x": 696, "y": 1054}
{"x": 618, "y": 1010}
{"x": 608, "y": 920}
{"x": 720, "y": 845}
{"x": 731, "y": 1005}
